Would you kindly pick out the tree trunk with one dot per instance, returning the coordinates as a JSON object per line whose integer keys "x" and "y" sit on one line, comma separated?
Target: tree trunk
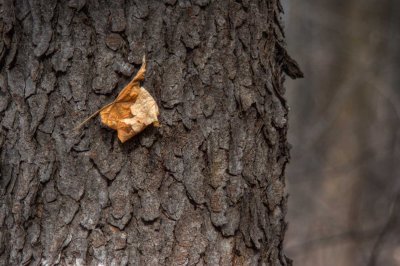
{"x": 206, "y": 188}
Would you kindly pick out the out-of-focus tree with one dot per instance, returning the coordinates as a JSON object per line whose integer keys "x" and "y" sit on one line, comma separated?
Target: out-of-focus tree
{"x": 345, "y": 129}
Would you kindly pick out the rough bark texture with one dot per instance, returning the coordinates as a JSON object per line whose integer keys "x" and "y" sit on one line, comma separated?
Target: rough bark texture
{"x": 207, "y": 188}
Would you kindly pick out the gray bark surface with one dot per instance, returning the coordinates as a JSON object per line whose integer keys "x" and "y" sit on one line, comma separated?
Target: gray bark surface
{"x": 206, "y": 188}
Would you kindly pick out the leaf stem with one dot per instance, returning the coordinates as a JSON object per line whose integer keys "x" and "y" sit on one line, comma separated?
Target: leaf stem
{"x": 92, "y": 115}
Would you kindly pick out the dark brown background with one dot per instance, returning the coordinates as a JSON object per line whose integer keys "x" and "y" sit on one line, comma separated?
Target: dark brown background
{"x": 344, "y": 176}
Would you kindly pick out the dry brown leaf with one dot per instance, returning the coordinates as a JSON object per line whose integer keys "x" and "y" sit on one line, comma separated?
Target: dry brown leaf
{"x": 132, "y": 111}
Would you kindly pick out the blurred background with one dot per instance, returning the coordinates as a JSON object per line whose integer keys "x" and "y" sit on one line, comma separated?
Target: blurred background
{"x": 344, "y": 176}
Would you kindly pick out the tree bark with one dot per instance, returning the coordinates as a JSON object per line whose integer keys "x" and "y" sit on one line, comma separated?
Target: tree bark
{"x": 206, "y": 188}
